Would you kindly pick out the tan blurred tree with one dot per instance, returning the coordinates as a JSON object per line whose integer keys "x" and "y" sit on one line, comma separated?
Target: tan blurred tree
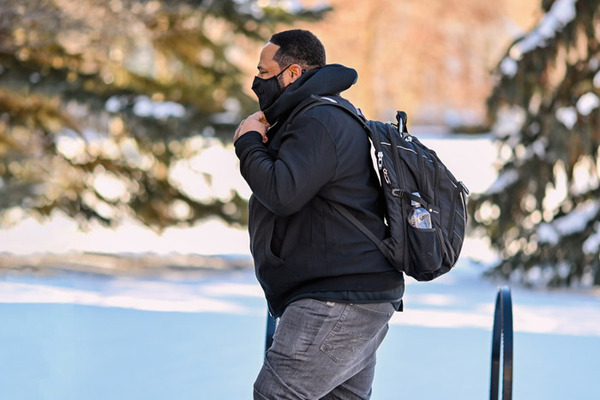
{"x": 100, "y": 99}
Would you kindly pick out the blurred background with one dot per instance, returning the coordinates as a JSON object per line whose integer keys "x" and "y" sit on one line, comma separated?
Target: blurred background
{"x": 120, "y": 115}
{"x": 119, "y": 186}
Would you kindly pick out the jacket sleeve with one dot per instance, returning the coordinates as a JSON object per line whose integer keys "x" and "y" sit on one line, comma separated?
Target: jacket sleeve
{"x": 305, "y": 163}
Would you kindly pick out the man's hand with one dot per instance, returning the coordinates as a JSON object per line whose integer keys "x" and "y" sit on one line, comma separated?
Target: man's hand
{"x": 255, "y": 122}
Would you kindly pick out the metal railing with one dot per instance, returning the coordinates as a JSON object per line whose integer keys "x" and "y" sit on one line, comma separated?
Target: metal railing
{"x": 502, "y": 346}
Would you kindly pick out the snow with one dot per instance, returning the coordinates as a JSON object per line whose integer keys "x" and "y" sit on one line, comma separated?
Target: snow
{"x": 547, "y": 234}
{"x": 587, "y": 103}
{"x": 109, "y": 186}
{"x": 62, "y": 235}
{"x": 574, "y": 222}
{"x": 539, "y": 147}
{"x": 578, "y": 219}
{"x": 212, "y": 172}
{"x": 113, "y": 104}
{"x": 585, "y": 176}
{"x": 69, "y": 144}
{"x": 74, "y": 336}
{"x": 145, "y": 107}
{"x": 504, "y": 180}
{"x": 567, "y": 115}
{"x": 232, "y": 113}
{"x": 509, "y": 67}
{"x": 592, "y": 243}
{"x": 508, "y": 124}
{"x": 560, "y": 14}
{"x": 292, "y": 6}
{"x": 479, "y": 172}
{"x": 596, "y": 80}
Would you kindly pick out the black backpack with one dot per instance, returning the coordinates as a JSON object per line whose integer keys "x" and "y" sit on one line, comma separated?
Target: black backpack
{"x": 406, "y": 166}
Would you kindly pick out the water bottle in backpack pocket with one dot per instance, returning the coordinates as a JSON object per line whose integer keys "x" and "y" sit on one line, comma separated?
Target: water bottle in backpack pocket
{"x": 418, "y": 216}
{"x": 423, "y": 242}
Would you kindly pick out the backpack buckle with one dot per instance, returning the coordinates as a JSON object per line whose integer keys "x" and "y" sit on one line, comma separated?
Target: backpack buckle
{"x": 397, "y": 192}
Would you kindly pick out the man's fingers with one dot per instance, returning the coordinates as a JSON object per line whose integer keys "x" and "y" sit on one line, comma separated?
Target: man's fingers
{"x": 264, "y": 120}
{"x": 252, "y": 123}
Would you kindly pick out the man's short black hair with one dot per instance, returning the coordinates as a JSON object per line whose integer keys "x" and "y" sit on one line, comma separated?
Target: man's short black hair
{"x": 300, "y": 47}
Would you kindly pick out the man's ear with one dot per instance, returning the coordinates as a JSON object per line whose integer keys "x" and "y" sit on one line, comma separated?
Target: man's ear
{"x": 295, "y": 72}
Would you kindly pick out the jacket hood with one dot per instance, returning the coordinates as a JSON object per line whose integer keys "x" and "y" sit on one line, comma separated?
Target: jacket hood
{"x": 329, "y": 80}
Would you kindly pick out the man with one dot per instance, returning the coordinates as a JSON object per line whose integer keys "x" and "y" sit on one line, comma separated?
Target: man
{"x": 330, "y": 286}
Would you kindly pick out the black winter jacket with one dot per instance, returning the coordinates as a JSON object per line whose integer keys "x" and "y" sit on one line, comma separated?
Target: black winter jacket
{"x": 302, "y": 247}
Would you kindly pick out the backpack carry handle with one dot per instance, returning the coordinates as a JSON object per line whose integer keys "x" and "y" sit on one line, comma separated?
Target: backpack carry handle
{"x": 402, "y": 119}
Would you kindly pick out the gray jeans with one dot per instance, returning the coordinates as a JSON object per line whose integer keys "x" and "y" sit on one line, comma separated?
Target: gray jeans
{"x": 323, "y": 350}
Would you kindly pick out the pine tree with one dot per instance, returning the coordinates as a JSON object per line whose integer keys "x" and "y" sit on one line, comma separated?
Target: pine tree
{"x": 543, "y": 211}
{"x": 99, "y": 101}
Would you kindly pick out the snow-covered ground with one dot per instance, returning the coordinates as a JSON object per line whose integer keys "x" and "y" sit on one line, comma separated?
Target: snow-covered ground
{"x": 84, "y": 336}
{"x": 77, "y": 336}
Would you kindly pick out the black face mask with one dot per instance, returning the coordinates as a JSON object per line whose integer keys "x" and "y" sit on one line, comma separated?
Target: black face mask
{"x": 267, "y": 90}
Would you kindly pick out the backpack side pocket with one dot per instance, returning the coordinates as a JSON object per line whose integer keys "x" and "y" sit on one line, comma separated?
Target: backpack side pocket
{"x": 426, "y": 253}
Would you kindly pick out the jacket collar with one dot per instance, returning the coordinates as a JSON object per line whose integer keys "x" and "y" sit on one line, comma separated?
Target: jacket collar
{"x": 328, "y": 80}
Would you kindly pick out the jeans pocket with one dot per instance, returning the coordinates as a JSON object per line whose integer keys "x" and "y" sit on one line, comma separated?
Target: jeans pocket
{"x": 360, "y": 328}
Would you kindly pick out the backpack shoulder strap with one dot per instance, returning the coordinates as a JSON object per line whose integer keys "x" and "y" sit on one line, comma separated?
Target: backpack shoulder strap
{"x": 366, "y": 231}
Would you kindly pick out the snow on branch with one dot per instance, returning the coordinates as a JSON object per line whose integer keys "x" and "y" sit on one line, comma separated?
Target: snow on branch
{"x": 574, "y": 222}
{"x": 592, "y": 243}
{"x": 503, "y": 181}
{"x": 560, "y": 14}
{"x": 587, "y": 103}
